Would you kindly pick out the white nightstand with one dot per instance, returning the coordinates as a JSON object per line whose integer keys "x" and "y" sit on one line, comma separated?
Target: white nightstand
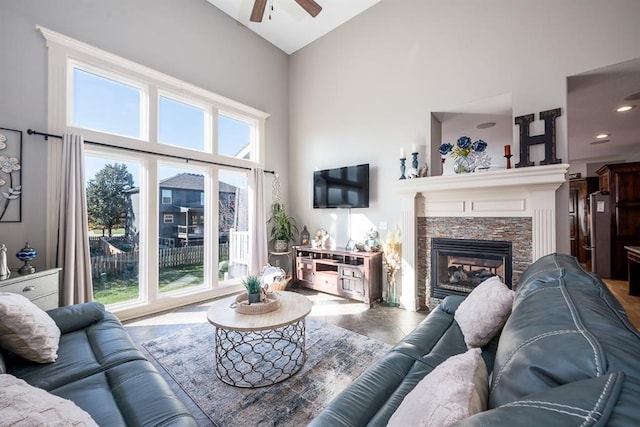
{"x": 40, "y": 287}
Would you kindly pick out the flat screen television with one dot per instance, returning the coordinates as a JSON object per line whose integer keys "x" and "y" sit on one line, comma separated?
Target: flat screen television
{"x": 346, "y": 187}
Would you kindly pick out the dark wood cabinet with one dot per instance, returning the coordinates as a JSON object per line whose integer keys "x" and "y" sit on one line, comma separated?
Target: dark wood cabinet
{"x": 579, "y": 217}
{"x": 622, "y": 182}
{"x": 355, "y": 275}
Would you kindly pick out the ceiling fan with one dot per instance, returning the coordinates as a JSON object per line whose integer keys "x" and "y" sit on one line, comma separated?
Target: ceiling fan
{"x": 257, "y": 13}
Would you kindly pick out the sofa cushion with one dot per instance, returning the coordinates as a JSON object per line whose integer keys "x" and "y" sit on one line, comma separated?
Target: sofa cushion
{"x": 583, "y": 403}
{"x": 26, "y": 330}
{"x": 483, "y": 313}
{"x": 128, "y": 394}
{"x": 454, "y": 390}
{"x": 82, "y": 353}
{"x": 22, "y": 404}
{"x": 565, "y": 327}
{"x": 78, "y": 316}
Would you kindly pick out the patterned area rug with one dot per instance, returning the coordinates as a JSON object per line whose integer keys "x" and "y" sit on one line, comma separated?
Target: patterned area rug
{"x": 335, "y": 356}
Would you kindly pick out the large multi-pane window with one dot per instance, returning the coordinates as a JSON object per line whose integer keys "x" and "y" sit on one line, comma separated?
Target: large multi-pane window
{"x": 167, "y": 187}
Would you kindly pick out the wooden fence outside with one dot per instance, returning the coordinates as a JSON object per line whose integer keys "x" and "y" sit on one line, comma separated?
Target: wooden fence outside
{"x": 127, "y": 263}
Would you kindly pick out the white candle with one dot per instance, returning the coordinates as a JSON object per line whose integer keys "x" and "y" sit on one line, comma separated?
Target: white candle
{"x": 414, "y": 148}
{"x": 402, "y": 155}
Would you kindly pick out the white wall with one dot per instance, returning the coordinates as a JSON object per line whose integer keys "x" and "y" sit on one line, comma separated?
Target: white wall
{"x": 187, "y": 39}
{"x": 366, "y": 89}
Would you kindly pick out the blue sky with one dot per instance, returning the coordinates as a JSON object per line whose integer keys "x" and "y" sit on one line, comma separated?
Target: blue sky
{"x": 118, "y": 112}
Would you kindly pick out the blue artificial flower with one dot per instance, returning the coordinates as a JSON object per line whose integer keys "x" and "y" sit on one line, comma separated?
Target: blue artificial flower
{"x": 464, "y": 142}
{"x": 479, "y": 146}
{"x": 445, "y": 148}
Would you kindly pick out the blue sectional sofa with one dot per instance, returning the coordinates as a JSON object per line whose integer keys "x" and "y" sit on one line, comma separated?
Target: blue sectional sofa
{"x": 567, "y": 355}
{"x": 101, "y": 370}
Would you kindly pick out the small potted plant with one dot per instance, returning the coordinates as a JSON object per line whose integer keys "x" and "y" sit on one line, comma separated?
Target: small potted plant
{"x": 253, "y": 285}
{"x": 283, "y": 228}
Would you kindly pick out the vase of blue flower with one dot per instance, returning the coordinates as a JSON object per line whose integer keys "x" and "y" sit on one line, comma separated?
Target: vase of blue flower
{"x": 467, "y": 155}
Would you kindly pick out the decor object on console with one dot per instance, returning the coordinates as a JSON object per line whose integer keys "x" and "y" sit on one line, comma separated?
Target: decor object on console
{"x": 5, "y": 273}
{"x": 372, "y": 244}
{"x": 467, "y": 155}
{"x": 392, "y": 259}
{"x": 11, "y": 178}
{"x": 305, "y": 236}
{"x": 322, "y": 240}
{"x": 27, "y": 254}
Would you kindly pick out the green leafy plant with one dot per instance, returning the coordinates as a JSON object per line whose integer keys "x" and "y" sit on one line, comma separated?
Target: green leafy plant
{"x": 283, "y": 226}
{"x": 252, "y": 284}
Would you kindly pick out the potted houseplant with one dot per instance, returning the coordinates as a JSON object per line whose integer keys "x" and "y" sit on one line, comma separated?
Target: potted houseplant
{"x": 283, "y": 228}
{"x": 253, "y": 286}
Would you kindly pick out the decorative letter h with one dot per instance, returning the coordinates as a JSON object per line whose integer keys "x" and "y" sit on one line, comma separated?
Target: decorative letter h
{"x": 548, "y": 138}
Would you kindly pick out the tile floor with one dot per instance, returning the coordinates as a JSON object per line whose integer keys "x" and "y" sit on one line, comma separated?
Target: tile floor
{"x": 386, "y": 324}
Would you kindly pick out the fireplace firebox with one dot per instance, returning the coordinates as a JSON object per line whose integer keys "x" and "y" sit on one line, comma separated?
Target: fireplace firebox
{"x": 459, "y": 265}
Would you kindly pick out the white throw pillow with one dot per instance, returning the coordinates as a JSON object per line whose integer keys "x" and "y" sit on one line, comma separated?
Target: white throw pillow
{"x": 483, "y": 313}
{"x": 454, "y": 390}
{"x": 26, "y": 330}
{"x": 25, "y": 405}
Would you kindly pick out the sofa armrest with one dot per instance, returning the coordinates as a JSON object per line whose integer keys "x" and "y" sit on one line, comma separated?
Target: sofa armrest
{"x": 78, "y": 316}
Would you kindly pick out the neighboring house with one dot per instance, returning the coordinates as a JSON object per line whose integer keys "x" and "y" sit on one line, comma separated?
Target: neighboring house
{"x": 181, "y": 220}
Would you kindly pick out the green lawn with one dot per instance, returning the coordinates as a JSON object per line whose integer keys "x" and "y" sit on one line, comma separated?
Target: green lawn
{"x": 124, "y": 289}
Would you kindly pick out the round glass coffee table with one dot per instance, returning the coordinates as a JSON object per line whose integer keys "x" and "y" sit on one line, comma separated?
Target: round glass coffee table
{"x": 256, "y": 350}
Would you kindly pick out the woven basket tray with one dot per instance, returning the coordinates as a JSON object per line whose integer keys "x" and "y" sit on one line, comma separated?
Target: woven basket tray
{"x": 242, "y": 306}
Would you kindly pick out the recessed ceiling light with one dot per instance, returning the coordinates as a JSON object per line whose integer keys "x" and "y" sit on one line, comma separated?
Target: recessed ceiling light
{"x": 624, "y": 108}
{"x": 603, "y": 136}
{"x": 485, "y": 125}
{"x": 600, "y": 141}
{"x": 633, "y": 97}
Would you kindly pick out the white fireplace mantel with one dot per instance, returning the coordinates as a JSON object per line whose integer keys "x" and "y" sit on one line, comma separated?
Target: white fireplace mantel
{"x": 506, "y": 179}
{"x": 521, "y": 192}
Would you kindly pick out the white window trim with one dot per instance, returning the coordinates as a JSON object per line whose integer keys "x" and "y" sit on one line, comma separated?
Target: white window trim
{"x": 167, "y": 219}
{"x": 61, "y": 51}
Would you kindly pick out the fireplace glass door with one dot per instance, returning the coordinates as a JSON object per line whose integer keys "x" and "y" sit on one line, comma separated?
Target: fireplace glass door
{"x": 459, "y": 265}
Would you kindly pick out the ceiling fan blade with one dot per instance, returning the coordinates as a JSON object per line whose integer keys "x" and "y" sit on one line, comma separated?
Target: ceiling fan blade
{"x": 258, "y": 10}
{"x": 310, "y": 6}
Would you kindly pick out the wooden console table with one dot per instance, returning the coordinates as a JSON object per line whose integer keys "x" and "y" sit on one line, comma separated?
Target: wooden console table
{"x": 633, "y": 259}
{"x": 355, "y": 275}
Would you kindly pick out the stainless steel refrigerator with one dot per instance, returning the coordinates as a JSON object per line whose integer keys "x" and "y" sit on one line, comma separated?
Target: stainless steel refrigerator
{"x": 600, "y": 233}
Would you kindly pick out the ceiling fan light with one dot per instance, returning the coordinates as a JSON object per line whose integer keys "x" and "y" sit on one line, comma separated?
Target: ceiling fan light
{"x": 624, "y": 108}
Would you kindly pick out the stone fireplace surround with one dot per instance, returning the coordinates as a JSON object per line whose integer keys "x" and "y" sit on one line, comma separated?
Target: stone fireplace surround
{"x": 516, "y": 205}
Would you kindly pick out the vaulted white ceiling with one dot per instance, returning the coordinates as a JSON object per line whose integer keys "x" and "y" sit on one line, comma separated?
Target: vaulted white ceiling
{"x": 591, "y": 99}
{"x": 290, "y": 27}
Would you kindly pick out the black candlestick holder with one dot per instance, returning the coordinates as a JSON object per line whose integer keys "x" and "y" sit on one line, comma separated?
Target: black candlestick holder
{"x": 508, "y": 157}
{"x": 403, "y": 167}
{"x": 414, "y": 162}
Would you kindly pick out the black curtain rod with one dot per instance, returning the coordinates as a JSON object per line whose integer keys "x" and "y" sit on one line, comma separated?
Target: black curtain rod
{"x": 102, "y": 144}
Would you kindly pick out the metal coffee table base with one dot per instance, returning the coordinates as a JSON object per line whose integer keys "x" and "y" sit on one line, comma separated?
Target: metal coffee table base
{"x": 260, "y": 358}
